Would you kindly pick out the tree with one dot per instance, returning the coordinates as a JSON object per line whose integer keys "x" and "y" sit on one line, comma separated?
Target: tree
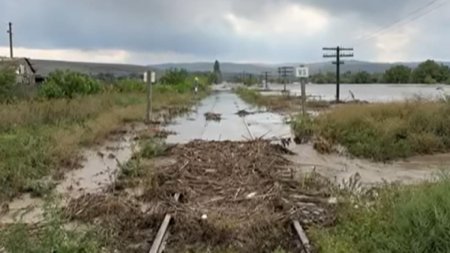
{"x": 361, "y": 77}
{"x": 68, "y": 84}
{"x": 217, "y": 73}
{"x": 175, "y": 77}
{"x": 431, "y": 72}
{"x": 398, "y": 74}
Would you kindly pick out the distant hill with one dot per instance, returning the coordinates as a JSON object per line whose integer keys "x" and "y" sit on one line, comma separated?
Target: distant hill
{"x": 46, "y": 66}
{"x": 226, "y": 67}
{"x": 43, "y": 67}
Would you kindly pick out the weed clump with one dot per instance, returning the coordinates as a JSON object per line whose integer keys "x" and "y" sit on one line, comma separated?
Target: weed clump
{"x": 50, "y": 236}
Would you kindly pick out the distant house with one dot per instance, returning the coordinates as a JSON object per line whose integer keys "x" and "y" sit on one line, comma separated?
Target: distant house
{"x": 26, "y": 73}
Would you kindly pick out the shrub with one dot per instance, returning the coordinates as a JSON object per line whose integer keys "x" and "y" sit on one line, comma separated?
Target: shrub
{"x": 130, "y": 85}
{"x": 175, "y": 76}
{"x": 153, "y": 148}
{"x": 68, "y": 84}
{"x": 303, "y": 128}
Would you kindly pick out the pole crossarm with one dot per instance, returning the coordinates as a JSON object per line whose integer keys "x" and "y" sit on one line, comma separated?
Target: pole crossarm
{"x": 338, "y": 55}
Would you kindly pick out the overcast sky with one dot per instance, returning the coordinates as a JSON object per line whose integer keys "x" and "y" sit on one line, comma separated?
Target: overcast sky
{"x": 266, "y": 31}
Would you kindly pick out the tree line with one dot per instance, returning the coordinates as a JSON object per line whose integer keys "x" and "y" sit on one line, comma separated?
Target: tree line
{"x": 428, "y": 72}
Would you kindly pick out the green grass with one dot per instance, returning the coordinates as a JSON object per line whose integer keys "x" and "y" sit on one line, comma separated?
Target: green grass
{"x": 409, "y": 219}
{"x": 39, "y": 138}
{"x": 51, "y": 236}
{"x": 387, "y": 131}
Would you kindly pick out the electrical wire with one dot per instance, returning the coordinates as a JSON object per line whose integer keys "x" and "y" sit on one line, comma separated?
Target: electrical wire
{"x": 411, "y": 17}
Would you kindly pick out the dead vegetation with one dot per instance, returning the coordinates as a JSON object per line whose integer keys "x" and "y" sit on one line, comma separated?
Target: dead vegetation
{"x": 236, "y": 197}
{"x": 210, "y": 116}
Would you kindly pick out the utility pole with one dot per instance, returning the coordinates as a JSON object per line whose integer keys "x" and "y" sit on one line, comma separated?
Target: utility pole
{"x": 338, "y": 55}
{"x": 284, "y": 72}
{"x": 11, "y": 40}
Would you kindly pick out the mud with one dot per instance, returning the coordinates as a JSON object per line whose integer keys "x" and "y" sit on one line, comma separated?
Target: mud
{"x": 99, "y": 167}
{"x": 339, "y": 168}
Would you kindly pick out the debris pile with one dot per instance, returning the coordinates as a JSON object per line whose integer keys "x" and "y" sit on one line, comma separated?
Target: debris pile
{"x": 238, "y": 195}
{"x": 243, "y": 113}
{"x": 120, "y": 217}
{"x": 213, "y": 116}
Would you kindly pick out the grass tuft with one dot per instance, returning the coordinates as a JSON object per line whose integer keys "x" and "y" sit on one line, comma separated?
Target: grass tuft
{"x": 386, "y": 131}
{"x": 402, "y": 219}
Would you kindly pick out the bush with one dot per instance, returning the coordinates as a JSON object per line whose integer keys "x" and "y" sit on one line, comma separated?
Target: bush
{"x": 68, "y": 84}
{"x": 303, "y": 128}
{"x": 7, "y": 84}
{"x": 130, "y": 85}
{"x": 401, "y": 220}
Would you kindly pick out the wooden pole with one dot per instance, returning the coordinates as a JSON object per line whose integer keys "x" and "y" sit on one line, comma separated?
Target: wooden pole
{"x": 11, "y": 41}
{"x": 302, "y": 236}
{"x": 303, "y": 84}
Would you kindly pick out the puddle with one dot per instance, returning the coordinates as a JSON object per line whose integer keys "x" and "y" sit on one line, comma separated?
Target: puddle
{"x": 98, "y": 171}
{"x": 339, "y": 168}
{"x": 231, "y": 127}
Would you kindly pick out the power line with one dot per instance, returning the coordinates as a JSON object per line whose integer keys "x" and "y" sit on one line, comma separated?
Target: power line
{"x": 412, "y": 16}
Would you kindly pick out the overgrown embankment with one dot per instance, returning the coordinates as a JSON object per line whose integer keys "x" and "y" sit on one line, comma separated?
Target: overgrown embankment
{"x": 399, "y": 219}
{"x": 384, "y": 131}
{"x": 42, "y": 135}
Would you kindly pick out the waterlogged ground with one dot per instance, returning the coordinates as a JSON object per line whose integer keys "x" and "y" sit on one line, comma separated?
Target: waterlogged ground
{"x": 231, "y": 126}
{"x": 272, "y": 126}
{"x": 366, "y": 92}
{"x": 340, "y": 168}
{"x": 98, "y": 170}
{"x": 101, "y": 163}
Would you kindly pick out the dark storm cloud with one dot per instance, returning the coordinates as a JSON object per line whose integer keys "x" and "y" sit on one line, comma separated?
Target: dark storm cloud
{"x": 131, "y": 25}
{"x": 201, "y": 27}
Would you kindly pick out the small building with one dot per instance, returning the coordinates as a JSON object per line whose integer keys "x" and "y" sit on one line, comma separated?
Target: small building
{"x": 26, "y": 73}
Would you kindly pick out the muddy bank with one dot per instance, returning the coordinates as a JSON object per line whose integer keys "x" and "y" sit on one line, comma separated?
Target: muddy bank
{"x": 98, "y": 169}
{"x": 340, "y": 168}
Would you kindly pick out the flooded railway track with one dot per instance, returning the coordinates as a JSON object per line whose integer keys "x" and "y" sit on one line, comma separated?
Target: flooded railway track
{"x": 160, "y": 240}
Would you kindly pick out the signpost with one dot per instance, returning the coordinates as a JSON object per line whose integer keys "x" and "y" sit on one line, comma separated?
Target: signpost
{"x": 149, "y": 78}
{"x": 302, "y": 72}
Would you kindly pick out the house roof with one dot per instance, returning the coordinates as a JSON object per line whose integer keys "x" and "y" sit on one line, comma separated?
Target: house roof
{"x": 15, "y": 61}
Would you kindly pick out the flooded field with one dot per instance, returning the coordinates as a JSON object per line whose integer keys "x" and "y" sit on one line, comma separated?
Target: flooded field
{"x": 366, "y": 92}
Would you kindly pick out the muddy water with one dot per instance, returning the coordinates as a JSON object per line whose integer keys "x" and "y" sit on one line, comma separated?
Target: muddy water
{"x": 98, "y": 170}
{"x": 232, "y": 127}
{"x": 340, "y": 168}
{"x": 367, "y": 92}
